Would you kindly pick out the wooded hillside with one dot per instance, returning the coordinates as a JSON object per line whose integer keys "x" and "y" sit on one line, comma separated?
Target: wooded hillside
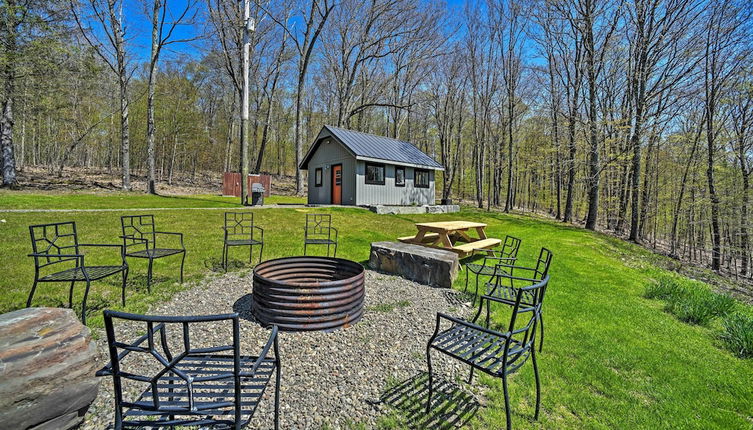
{"x": 629, "y": 116}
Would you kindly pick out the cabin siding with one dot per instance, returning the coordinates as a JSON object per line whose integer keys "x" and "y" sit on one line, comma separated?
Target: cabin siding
{"x": 389, "y": 194}
{"x": 331, "y": 153}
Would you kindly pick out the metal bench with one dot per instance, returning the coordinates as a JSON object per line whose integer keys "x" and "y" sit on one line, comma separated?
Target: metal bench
{"x": 318, "y": 231}
{"x": 508, "y": 279}
{"x": 239, "y": 231}
{"x": 208, "y": 386}
{"x": 57, "y": 243}
{"x": 139, "y": 231}
{"x": 508, "y": 254}
{"x": 492, "y": 352}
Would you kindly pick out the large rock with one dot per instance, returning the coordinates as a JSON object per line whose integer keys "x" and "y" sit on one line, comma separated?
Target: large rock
{"x": 47, "y": 365}
{"x": 430, "y": 266}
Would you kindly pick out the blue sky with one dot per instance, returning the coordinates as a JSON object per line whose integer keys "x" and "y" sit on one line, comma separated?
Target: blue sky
{"x": 139, "y": 27}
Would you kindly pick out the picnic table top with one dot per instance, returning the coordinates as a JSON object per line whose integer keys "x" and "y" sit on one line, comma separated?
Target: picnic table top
{"x": 450, "y": 225}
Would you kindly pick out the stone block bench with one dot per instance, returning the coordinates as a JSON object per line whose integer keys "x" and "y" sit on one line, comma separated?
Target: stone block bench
{"x": 430, "y": 266}
{"x": 47, "y": 365}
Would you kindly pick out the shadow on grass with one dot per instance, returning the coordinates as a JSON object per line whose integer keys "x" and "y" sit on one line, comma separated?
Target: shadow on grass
{"x": 214, "y": 264}
{"x": 451, "y": 406}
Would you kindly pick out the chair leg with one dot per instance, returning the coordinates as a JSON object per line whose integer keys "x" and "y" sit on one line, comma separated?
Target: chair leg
{"x": 70, "y": 295}
{"x": 250, "y": 253}
{"x": 277, "y": 397}
{"x": 83, "y": 303}
{"x": 335, "y": 254}
{"x": 466, "y": 280}
{"x": 149, "y": 277}
{"x": 261, "y": 252}
{"x": 507, "y": 401}
{"x": 328, "y": 250}
{"x": 428, "y": 363}
{"x": 541, "y": 343}
{"x": 31, "y": 293}
{"x": 470, "y": 377}
{"x": 304, "y": 248}
{"x": 182, "y": 261}
{"x": 125, "y": 279}
{"x": 224, "y": 256}
{"x": 475, "y": 295}
{"x": 538, "y": 382}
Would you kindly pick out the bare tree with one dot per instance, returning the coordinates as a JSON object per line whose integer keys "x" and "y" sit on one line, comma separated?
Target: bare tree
{"x": 106, "y": 16}
{"x": 161, "y": 37}
{"x": 727, "y": 49}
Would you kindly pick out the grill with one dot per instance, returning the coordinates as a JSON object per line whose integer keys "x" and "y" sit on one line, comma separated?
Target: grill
{"x": 308, "y": 293}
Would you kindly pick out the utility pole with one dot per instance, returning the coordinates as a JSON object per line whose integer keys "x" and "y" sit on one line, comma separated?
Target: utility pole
{"x": 248, "y": 27}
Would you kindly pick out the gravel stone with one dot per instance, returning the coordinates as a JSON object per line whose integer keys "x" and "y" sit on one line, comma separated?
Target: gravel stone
{"x": 332, "y": 379}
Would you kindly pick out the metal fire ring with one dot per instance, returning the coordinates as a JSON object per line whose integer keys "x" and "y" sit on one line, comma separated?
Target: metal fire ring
{"x": 308, "y": 293}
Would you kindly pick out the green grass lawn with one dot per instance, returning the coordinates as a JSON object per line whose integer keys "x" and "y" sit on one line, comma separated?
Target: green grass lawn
{"x": 131, "y": 200}
{"x": 612, "y": 358}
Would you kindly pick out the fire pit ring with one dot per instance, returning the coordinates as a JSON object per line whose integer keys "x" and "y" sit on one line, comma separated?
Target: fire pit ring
{"x": 308, "y": 293}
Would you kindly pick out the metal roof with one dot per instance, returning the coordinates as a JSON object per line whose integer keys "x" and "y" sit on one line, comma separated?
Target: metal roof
{"x": 370, "y": 147}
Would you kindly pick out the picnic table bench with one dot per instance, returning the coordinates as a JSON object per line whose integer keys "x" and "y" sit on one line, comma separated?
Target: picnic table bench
{"x": 453, "y": 236}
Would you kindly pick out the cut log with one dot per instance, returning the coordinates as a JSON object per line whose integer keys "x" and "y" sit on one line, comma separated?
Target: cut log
{"x": 430, "y": 266}
{"x": 47, "y": 365}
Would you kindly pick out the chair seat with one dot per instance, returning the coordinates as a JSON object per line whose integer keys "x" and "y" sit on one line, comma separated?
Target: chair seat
{"x": 320, "y": 241}
{"x": 154, "y": 253}
{"x": 77, "y": 273}
{"x": 213, "y": 391}
{"x": 241, "y": 242}
{"x": 480, "y": 349}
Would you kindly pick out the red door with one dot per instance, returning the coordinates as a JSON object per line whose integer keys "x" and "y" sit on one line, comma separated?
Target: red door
{"x": 337, "y": 184}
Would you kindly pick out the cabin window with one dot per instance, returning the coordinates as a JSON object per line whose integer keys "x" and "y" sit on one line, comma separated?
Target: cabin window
{"x": 422, "y": 179}
{"x": 375, "y": 174}
{"x": 318, "y": 177}
{"x": 399, "y": 176}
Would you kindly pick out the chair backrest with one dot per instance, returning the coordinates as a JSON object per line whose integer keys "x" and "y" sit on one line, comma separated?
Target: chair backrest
{"x": 53, "y": 240}
{"x": 318, "y": 225}
{"x": 162, "y": 370}
{"x": 543, "y": 262}
{"x": 138, "y": 230}
{"x": 239, "y": 224}
{"x": 526, "y": 305}
{"x": 510, "y": 247}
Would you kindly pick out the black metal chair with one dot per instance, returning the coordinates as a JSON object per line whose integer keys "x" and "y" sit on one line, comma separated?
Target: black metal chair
{"x": 139, "y": 231}
{"x": 239, "y": 231}
{"x": 209, "y": 386}
{"x": 490, "y": 351}
{"x": 508, "y": 254}
{"x": 507, "y": 281}
{"x": 318, "y": 231}
{"x": 57, "y": 243}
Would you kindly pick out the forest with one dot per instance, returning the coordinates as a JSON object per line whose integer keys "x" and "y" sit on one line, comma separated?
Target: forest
{"x": 633, "y": 117}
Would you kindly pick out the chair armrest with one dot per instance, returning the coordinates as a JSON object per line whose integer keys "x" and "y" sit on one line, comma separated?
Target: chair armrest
{"x": 107, "y": 369}
{"x": 42, "y": 254}
{"x": 336, "y": 232}
{"x": 263, "y": 355}
{"x": 450, "y": 318}
{"x": 260, "y": 230}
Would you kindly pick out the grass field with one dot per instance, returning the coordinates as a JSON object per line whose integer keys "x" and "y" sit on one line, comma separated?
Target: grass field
{"x": 612, "y": 358}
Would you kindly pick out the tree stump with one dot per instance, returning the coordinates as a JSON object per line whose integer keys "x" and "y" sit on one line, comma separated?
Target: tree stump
{"x": 47, "y": 365}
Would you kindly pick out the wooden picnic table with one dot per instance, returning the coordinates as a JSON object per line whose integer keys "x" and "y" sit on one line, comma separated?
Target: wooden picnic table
{"x": 449, "y": 234}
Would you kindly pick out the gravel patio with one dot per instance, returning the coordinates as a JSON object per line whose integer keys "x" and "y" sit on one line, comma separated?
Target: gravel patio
{"x": 357, "y": 377}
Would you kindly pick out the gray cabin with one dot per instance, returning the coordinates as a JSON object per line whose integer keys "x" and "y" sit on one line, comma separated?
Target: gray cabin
{"x": 349, "y": 167}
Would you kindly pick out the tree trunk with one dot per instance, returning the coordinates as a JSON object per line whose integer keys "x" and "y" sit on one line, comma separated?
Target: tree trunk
{"x": 152, "y": 82}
